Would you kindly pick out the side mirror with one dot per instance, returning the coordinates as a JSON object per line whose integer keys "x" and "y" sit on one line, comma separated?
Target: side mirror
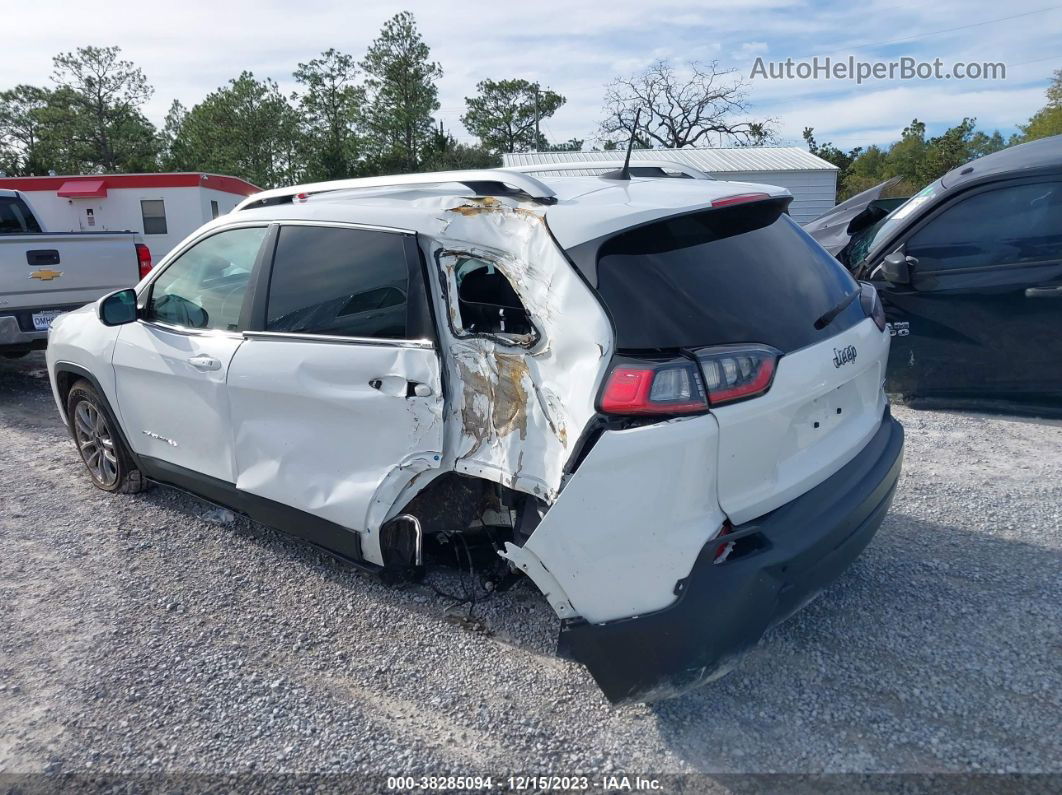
{"x": 118, "y": 308}
{"x": 897, "y": 268}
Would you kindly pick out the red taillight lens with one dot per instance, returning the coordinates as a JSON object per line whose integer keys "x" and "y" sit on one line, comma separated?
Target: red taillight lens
{"x": 669, "y": 387}
{"x": 143, "y": 258}
{"x": 871, "y": 301}
{"x": 737, "y": 372}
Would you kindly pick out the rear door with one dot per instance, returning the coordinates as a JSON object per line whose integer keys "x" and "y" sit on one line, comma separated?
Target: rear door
{"x": 982, "y": 317}
{"x": 336, "y": 395}
{"x": 170, "y": 367}
{"x": 747, "y": 274}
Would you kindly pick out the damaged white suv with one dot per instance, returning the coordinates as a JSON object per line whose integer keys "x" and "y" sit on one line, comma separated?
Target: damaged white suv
{"x": 670, "y": 393}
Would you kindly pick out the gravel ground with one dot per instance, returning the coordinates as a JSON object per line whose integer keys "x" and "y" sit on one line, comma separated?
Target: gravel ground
{"x": 136, "y": 636}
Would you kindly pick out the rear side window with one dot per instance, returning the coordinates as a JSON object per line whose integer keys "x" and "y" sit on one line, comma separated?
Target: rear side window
{"x": 487, "y": 302}
{"x": 339, "y": 282}
{"x": 15, "y": 217}
{"x": 1005, "y": 226}
{"x": 741, "y": 274}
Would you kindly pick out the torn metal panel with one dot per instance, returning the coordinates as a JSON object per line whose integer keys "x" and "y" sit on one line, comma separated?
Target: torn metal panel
{"x": 638, "y": 510}
{"x": 518, "y": 402}
{"x": 530, "y": 565}
{"x": 331, "y": 429}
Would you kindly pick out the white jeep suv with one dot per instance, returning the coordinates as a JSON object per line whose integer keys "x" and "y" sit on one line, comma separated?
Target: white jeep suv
{"x": 670, "y": 393}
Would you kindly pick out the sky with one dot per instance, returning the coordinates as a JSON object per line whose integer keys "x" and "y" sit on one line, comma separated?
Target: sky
{"x": 189, "y": 47}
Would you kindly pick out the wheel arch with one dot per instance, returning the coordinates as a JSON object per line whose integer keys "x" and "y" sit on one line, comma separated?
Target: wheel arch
{"x": 66, "y": 375}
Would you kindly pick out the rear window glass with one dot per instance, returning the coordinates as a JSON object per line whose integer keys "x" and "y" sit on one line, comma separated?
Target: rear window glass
{"x": 740, "y": 274}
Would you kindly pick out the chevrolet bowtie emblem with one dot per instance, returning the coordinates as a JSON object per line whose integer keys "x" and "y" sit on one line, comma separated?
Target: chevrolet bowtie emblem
{"x": 45, "y": 274}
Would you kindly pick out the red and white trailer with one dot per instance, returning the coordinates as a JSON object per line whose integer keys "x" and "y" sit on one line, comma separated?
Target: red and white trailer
{"x": 164, "y": 208}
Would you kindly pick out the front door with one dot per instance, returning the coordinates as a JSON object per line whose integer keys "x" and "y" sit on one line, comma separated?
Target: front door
{"x": 171, "y": 365}
{"x": 982, "y": 316}
{"x": 336, "y": 395}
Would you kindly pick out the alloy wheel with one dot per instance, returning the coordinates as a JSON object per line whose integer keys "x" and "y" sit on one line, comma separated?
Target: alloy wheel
{"x": 95, "y": 443}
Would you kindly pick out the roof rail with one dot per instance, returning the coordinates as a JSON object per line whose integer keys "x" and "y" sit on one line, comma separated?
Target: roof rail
{"x": 609, "y": 165}
{"x": 482, "y": 181}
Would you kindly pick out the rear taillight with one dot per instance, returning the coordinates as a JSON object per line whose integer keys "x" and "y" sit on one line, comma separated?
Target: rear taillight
{"x": 737, "y": 372}
{"x": 636, "y": 387}
{"x": 871, "y": 301}
{"x": 143, "y": 258}
{"x": 720, "y": 375}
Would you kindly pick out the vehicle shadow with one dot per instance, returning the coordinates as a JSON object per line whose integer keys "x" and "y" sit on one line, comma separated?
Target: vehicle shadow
{"x": 936, "y": 651}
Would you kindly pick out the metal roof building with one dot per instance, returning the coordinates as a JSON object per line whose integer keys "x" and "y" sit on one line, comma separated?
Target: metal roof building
{"x": 811, "y": 180}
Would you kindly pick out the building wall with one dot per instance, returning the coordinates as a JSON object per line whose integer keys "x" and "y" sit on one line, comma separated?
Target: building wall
{"x": 814, "y": 192}
{"x": 187, "y": 208}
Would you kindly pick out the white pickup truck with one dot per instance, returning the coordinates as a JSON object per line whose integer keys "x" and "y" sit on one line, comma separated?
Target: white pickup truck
{"x": 43, "y": 274}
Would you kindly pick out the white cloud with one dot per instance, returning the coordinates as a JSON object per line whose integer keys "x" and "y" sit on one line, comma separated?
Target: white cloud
{"x": 189, "y": 48}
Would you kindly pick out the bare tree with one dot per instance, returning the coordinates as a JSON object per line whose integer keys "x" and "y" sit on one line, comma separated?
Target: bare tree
{"x": 682, "y": 107}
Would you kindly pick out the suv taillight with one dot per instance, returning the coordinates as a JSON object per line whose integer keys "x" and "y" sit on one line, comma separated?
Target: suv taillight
{"x": 737, "y": 372}
{"x": 653, "y": 386}
{"x": 871, "y": 302}
{"x": 721, "y": 374}
{"x": 143, "y": 258}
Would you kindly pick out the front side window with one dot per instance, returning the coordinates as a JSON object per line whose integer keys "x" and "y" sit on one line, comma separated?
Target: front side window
{"x": 154, "y": 214}
{"x": 339, "y": 282}
{"x": 205, "y": 286}
{"x": 1006, "y": 226}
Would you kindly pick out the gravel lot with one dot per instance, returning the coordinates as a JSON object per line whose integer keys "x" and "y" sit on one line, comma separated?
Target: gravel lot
{"x": 136, "y": 636}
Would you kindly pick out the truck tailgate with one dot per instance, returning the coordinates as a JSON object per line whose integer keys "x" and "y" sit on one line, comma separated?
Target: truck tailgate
{"x": 39, "y": 270}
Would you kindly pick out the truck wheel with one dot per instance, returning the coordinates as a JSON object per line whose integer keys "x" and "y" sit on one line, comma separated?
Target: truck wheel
{"x": 108, "y": 462}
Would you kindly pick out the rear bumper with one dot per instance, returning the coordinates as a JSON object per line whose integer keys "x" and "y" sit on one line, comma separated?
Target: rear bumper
{"x": 780, "y": 562}
{"x": 13, "y": 338}
{"x": 17, "y": 332}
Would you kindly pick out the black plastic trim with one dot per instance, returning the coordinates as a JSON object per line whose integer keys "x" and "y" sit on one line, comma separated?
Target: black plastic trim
{"x": 253, "y": 310}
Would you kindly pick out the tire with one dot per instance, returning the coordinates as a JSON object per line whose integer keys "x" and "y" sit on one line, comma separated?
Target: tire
{"x": 15, "y": 354}
{"x": 105, "y": 456}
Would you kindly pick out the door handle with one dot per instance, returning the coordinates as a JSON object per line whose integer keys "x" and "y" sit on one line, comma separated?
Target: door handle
{"x": 204, "y": 363}
{"x": 1043, "y": 292}
{"x": 42, "y": 256}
